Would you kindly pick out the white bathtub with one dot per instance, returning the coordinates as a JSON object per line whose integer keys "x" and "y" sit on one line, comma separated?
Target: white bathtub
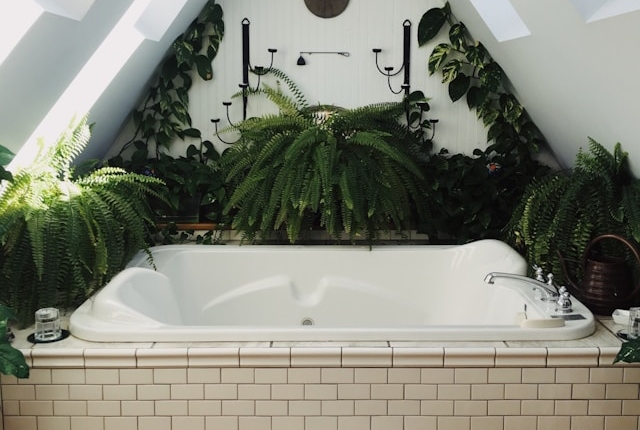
{"x": 323, "y": 293}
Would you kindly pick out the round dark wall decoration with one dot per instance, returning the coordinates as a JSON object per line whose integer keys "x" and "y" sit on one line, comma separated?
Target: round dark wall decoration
{"x": 326, "y": 8}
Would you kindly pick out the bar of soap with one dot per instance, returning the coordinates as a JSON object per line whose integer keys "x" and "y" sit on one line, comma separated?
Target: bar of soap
{"x": 543, "y": 323}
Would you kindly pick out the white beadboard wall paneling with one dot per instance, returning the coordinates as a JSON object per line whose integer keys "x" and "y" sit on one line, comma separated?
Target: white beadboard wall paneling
{"x": 328, "y": 78}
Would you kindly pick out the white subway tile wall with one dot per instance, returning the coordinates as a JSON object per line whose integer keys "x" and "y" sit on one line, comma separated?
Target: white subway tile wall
{"x": 323, "y": 388}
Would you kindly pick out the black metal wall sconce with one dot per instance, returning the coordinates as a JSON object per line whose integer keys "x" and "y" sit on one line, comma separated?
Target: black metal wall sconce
{"x": 246, "y": 69}
{"x": 301, "y": 61}
{"x": 416, "y": 118}
{"x": 406, "y": 62}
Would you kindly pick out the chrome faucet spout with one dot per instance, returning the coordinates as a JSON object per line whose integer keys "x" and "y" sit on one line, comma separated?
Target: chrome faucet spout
{"x": 548, "y": 294}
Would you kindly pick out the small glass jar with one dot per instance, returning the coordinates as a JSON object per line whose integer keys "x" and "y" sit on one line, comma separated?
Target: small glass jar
{"x": 633, "y": 329}
{"x": 47, "y": 325}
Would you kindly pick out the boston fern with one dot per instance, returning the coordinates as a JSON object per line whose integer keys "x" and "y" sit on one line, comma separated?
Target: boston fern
{"x": 345, "y": 170}
{"x": 64, "y": 237}
{"x": 565, "y": 210}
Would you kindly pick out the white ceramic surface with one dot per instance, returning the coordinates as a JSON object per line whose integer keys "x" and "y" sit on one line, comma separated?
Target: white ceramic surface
{"x": 321, "y": 293}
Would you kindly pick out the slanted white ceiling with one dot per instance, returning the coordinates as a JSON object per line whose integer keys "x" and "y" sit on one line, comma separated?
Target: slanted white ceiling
{"x": 576, "y": 72}
{"x": 575, "y": 76}
{"x": 55, "y": 48}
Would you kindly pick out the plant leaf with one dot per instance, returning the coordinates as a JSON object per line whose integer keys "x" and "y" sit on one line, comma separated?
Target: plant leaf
{"x": 629, "y": 352}
{"x": 203, "y": 65}
{"x": 457, "y": 35}
{"x": 438, "y": 56}
{"x": 431, "y": 23}
{"x": 459, "y": 86}
{"x": 12, "y": 361}
{"x": 450, "y": 70}
{"x": 491, "y": 76}
{"x": 476, "y": 54}
{"x": 5, "y": 155}
{"x": 476, "y": 97}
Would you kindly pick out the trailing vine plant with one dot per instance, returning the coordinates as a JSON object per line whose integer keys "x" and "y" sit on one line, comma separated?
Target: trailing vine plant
{"x": 474, "y": 195}
{"x": 164, "y": 118}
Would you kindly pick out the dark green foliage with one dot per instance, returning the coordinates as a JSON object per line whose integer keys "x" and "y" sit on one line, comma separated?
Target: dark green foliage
{"x": 565, "y": 210}
{"x": 12, "y": 361}
{"x": 164, "y": 116}
{"x": 5, "y": 158}
{"x": 344, "y": 170}
{"x": 64, "y": 236}
{"x": 473, "y": 197}
{"x": 192, "y": 179}
{"x": 629, "y": 352}
{"x": 468, "y": 69}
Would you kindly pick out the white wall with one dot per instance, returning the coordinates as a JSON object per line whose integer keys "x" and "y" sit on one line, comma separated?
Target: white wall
{"x": 329, "y": 79}
{"x": 576, "y": 78}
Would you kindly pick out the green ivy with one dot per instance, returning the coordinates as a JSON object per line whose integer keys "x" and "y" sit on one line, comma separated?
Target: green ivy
{"x": 164, "y": 118}
{"x": 468, "y": 70}
{"x": 12, "y": 361}
{"x": 474, "y": 196}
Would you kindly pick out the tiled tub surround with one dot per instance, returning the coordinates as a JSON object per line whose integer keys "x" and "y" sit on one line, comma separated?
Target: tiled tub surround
{"x": 551, "y": 385}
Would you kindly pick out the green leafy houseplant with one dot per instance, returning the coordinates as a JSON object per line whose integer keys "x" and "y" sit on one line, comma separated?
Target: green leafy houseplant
{"x": 193, "y": 188}
{"x": 473, "y": 196}
{"x": 563, "y": 211}
{"x": 64, "y": 236}
{"x": 164, "y": 119}
{"x": 470, "y": 72}
{"x": 12, "y": 361}
{"x": 344, "y": 170}
{"x": 629, "y": 352}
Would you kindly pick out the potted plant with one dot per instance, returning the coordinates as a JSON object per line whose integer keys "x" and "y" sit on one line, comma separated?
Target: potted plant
{"x": 565, "y": 210}
{"x": 65, "y": 236}
{"x": 344, "y": 170}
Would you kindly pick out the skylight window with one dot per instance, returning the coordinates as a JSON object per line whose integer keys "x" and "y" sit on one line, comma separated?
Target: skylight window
{"x": 157, "y": 18}
{"x": 595, "y": 10}
{"x": 15, "y": 21}
{"x": 502, "y": 19}
{"x": 72, "y": 9}
{"x": 116, "y": 49}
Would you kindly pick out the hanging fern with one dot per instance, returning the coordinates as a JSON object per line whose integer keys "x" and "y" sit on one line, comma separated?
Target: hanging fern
{"x": 351, "y": 171}
{"x": 65, "y": 237}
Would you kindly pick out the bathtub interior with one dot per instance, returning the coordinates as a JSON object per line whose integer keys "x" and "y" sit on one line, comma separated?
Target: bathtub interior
{"x": 333, "y": 286}
{"x": 267, "y": 288}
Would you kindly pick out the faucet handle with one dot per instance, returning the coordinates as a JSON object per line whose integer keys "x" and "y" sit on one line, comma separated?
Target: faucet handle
{"x": 564, "y": 301}
{"x": 539, "y": 273}
{"x": 550, "y": 279}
